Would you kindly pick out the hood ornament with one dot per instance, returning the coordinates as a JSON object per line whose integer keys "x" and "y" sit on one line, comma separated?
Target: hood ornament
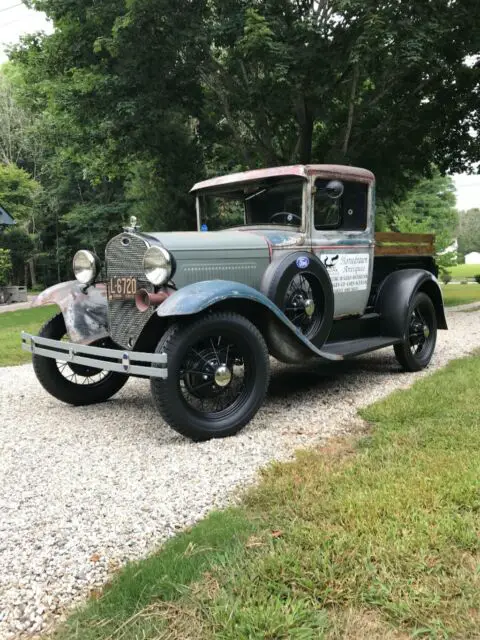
{"x": 133, "y": 225}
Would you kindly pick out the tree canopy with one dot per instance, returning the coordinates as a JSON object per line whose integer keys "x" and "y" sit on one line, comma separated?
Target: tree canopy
{"x": 469, "y": 231}
{"x": 129, "y": 102}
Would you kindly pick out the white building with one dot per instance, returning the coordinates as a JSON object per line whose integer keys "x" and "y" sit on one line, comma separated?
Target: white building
{"x": 472, "y": 258}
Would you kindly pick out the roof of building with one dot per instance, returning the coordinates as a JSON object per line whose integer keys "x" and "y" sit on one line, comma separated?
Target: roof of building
{"x": 5, "y": 217}
{"x": 300, "y": 170}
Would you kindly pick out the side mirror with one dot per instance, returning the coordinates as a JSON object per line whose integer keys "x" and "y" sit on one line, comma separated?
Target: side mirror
{"x": 334, "y": 189}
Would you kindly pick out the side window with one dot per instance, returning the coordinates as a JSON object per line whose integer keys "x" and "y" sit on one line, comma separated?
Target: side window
{"x": 345, "y": 207}
{"x": 327, "y": 210}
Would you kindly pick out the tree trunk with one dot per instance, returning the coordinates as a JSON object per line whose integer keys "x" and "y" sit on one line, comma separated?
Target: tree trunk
{"x": 33, "y": 277}
{"x": 303, "y": 148}
{"x": 351, "y": 108}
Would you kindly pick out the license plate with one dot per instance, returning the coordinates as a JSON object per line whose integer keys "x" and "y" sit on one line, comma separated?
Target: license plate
{"x": 122, "y": 288}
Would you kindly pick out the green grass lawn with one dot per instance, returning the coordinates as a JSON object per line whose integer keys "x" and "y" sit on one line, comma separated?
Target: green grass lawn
{"x": 368, "y": 538}
{"x": 465, "y": 270}
{"x": 11, "y": 324}
{"x": 454, "y": 294}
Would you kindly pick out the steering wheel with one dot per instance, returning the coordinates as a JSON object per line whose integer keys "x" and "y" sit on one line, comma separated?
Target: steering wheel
{"x": 288, "y": 217}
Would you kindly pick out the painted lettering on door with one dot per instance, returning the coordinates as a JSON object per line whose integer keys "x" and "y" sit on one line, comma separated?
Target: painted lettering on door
{"x": 347, "y": 271}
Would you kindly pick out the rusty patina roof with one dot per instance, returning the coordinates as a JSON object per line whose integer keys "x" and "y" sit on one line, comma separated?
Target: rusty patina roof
{"x": 299, "y": 170}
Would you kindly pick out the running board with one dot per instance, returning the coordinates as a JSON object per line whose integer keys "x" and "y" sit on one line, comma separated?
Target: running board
{"x": 352, "y": 348}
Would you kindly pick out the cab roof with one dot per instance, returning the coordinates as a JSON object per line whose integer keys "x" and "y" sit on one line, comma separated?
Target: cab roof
{"x": 296, "y": 170}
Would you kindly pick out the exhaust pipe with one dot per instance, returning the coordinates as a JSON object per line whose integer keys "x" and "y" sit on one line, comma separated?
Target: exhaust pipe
{"x": 144, "y": 299}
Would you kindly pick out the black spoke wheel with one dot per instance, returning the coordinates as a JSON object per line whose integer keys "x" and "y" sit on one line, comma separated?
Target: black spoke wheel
{"x": 70, "y": 382}
{"x": 218, "y": 373}
{"x": 417, "y": 349}
{"x": 303, "y": 303}
{"x": 300, "y": 286}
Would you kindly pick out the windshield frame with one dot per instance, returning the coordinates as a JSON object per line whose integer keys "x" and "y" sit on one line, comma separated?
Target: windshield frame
{"x": 215, "y": 192}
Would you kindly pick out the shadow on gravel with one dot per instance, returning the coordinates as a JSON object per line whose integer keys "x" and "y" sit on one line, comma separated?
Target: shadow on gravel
{"x": 292, "y": 379}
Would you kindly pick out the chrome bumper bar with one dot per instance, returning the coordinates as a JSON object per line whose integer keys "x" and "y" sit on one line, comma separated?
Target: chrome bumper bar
{"x": 133, "y": 363}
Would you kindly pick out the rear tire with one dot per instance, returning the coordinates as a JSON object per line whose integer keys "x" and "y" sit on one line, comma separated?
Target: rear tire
{"x": 415, "y": 353}
{"x": 218, "y": 375}
{"x": 99, "y": 386}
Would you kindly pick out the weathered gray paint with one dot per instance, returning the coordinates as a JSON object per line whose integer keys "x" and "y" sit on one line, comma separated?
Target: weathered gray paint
{"x": 99, "y": 357}
{"x": 84, "y": 309}
{"x": 227, "y": 255}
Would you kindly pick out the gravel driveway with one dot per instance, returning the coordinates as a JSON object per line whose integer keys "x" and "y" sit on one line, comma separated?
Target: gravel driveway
{"x": 85, "y": 489}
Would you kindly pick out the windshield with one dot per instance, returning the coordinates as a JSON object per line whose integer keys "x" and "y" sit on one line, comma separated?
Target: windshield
{"x": 270, "y": 202}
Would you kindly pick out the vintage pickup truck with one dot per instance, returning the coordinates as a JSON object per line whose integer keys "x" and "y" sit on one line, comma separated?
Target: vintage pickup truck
{"x": 299, "y": 275}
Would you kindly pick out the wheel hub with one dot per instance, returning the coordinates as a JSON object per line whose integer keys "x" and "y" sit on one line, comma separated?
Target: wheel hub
{"x": 309, "y": 306}
{"x": 222, "y": 376}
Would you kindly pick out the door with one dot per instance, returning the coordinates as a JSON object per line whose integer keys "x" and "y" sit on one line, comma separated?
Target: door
{"x": 342, "y": 238}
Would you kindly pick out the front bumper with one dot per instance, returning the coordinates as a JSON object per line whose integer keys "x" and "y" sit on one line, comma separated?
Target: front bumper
{"x": 132, "y": 363}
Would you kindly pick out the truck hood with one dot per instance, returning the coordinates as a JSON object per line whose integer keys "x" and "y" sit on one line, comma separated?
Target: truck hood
{"x": 198, "y": 241}
{"x": 224, "y": 255}
{"x": 239, "y": 239}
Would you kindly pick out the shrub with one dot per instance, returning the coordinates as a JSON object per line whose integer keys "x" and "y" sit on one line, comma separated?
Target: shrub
{"x": 446, "y": 278}
{"x": 464, "y": 282}
{"x": 5, "y": 266}
{"x": 477, "y": 278}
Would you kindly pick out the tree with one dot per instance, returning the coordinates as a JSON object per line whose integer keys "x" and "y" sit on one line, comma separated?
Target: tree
{"x": 334, "y": 80}
{"x": 129, "y": 102}
{"x": 429, "y": 207}
{"x": 19, "y": 194}
{"x": 5, "y": 266}
{"x": 469, "y": 231}
{"x": 21, "y": 248}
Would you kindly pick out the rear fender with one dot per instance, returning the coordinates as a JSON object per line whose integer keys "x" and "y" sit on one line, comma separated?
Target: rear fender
{"x": 84, "y": 309}
{"x": 396, "y": 293}
{"x": 200, "y": 296}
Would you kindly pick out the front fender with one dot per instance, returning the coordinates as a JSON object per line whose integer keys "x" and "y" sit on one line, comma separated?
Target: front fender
{"x": 84, "y": 311}
{"x": 395, "y": 295}
{"x": 198, "y": 297}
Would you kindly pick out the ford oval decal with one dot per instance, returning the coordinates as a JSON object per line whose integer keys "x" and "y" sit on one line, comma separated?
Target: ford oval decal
{"x": 302, "y": 262}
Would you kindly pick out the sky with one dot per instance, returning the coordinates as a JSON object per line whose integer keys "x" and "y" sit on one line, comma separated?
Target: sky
{"x": 17, "y": 20}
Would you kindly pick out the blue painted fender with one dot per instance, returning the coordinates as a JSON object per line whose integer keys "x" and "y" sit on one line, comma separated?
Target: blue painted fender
{"x": 197, "y": 297}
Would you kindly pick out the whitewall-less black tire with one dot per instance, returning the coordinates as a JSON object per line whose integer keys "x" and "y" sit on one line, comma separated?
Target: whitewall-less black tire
{"x": 73, "y": 384}
{"x": 218, "y": 375}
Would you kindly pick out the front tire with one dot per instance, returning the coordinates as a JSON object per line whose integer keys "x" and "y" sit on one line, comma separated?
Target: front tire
{"x": 218, "y": 375}
{"x": 415, "y": 353}
{"x": 71, "y": 383}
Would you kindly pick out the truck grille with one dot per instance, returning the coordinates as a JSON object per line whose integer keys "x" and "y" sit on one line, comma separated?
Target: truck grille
{"x": 124, "y": 257}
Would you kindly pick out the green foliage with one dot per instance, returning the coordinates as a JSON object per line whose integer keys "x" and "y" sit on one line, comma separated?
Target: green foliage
{"x": 19, "y": 193}
{"x": 5, "y": 266}
{"x": 304, "y": 81}
{"x": 429, "y": 207}
{"x": 469, "y": 231}
{"x": 127, "y": 104}
{"x": 20, "y": 246}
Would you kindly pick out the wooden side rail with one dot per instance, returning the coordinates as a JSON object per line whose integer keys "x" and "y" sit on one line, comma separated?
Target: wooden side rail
{"x": 404, "y": 244}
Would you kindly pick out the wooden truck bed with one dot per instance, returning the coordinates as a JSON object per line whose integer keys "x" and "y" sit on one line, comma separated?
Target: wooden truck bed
{"x": 404, "y": 244}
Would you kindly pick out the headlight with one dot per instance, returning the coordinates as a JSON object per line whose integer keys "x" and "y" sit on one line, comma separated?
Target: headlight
{"x": 157, "y": 264}
{"x": 84, "y": 266}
